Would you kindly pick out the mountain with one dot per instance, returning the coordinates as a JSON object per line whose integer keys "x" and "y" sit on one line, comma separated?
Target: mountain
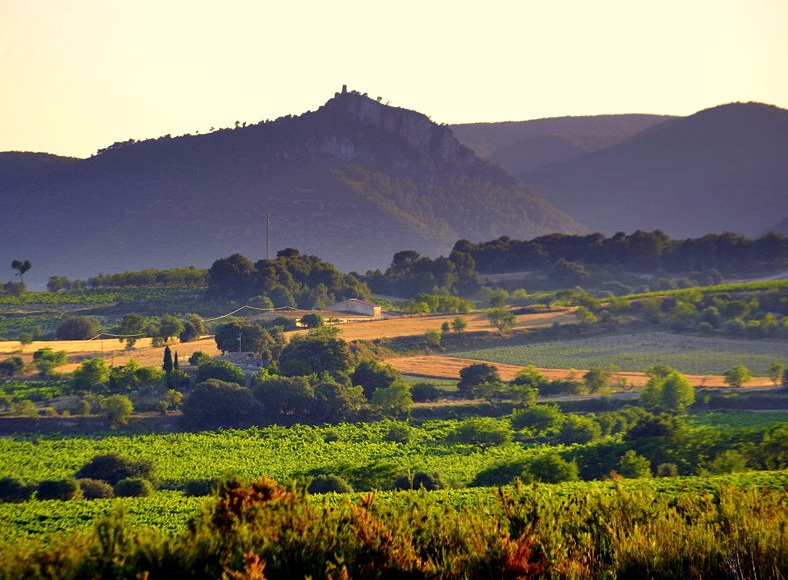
{"x": 353, "y": 182}
{"x": 721, "y": 169}
{"x": 522, "y": 146}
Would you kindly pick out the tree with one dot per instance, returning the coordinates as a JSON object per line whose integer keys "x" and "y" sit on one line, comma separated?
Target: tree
{"x": 117, "y": 408}
{"x": 372, "y": 375}
{"x": 92, "y": 375}
{"x": 168, "y": 327}
{"x": 597, "y": 379}
{"x": 112, "y": 468}
{"x": 241, "y": 336}
{"x": 78, "y": 328}
{"x": 474, "y": 376}
{"x": 59, "y": 489}
{"x": 502, "y": 319}
{"x": 459, "y": 324}
{"x": 132, "y": 327}
{"x": 551, "y": 468}
{"x": 221, "y": 370}
{"x": 633, "y": 465}
{"x": 670, "y": 393}
{"x": 11, "y": 366}
{"x": 483, "y": 432}
{"x": 214, "y": 404}
{"x": 312, "y": 320}
{"x": 538, "y": 419}
{"x": 167, "y": 364}
{"x": 232, "y": 277}
{"x": 314, "y": 353}
{"x": 193, "y": 328}
{"x": 284, "y": 400}
{"x": 737, "y": 376}
{"x": 393, "y": 401}
{"x": 776, "y": 372}
{"x": 21, "y": 266}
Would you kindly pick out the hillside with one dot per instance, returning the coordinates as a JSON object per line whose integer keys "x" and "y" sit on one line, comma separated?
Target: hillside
{"x": 354, "y": 181}
{"x": 522, "y": 146}
{"x": 722, "y": 169}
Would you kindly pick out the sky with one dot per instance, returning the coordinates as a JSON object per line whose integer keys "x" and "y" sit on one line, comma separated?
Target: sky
{"x": 79, "y": 75}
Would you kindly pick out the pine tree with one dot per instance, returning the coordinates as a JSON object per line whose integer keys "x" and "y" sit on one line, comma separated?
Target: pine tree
{"x": 175, "y": 361}
{"x": 167, "y": 366}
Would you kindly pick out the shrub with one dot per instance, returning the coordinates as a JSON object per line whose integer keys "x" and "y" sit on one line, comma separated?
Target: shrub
{"x": 60, "y": 489}
{"x": 198, "y": 358}
{"x": 667, "y": 470}
{"x": 551, "y": 468}
{"x": 78, "y": 328}
{"x": 11, "y": 366}
{"x": 420, "y": 480}
{"x": 538, "y": 419}
{"x": 500, "y": 474}
{"x": 215, "y": 404}
{"x": 633, "y": 465}
{"x": 13, "y": 490}
{"x": 399, "y": 433}
{"x": 579, "y": 429}
{"x": 133, "y": 487}
{"x": 95, "y": 489}
{"x": 424, "y": 392}
{"x": 112, "y": 468}
{"x": 481, "y": 431}
{"x": 199, "y": 487}
{"x": 117, "y": 408}
{"x": 329, "y": 484}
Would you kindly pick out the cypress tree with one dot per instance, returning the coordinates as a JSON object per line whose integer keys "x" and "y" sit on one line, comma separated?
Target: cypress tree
{"x": 167, "y": 365}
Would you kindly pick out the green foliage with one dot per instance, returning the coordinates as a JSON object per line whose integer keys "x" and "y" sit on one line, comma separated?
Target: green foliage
{"x": 13, "y": 490}
{"x": 372, "y": 375}
{"x": 214, "y": 403}
{"x": 314, "y": 353}
{"x": 482, "y": 432}
{"x": 474, "y": 377}
{"x": 92, "y": 376}
{"x": 502, "y": 319}
{"x": 95, "y": 489}
{"x": 425, "y": 303}
{"x": 579, "y": 429}
{"x": 198, "y": 358}
{"x": 550, "y": 468}
{"x": 737, "y": 376}
{"x": 133, "y": 487}
{"x": 633, "y": 465}
{"x": 285, "y": 400}
{"x": 117, "y": 408}
{"x": 538, "y": 419}
{"x": 312, "y": 320}
{"x": 670, "y": 393}
{"x": 420, "y": 480}
{"x": 221, "y": 370}
{"x": 112, "y": 468}
{"x": 59, "y": 489}
{"x": 193, "y": 327}
{"x": 78, "y": 328}
{"x": 425, "y": 392}
{"x": 394, "y": 401}
{"x": 11, "y": 366}
{"x": 238, "y": 335}
{"x": 329, "y": 484}
{"x": 46, "y": 359}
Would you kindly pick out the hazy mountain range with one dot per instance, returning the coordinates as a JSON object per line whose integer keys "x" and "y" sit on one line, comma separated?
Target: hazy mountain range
{"x": 357, "y": 180}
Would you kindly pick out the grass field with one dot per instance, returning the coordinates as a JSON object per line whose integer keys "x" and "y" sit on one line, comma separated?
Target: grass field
{"x": 694, "y": 355}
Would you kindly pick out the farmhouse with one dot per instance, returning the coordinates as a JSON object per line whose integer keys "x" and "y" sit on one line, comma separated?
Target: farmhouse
{"x": 357, "y": 306}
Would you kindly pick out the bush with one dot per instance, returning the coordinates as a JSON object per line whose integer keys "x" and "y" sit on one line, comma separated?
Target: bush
{"x": 11, "y": 366}
{"x": 425, "y": 392}
{"x": 13, "y": 490}
{"x": 112, "y": 468}
{"x": 329, "y": 484}
{"x": 199, "y": 358}
{"x": 420, "y": 480}
{"x": 117, "y": 408}
{"x": 215, "y": 404}
{"x": 500, "y": 474}
{"x": 481, "y": 431}
{"x": 634, "y": 466}
{"x": 399, "y": 433}
{"x": 579, "y": 429}
{"x": 78, "y": 328}
{"x": 538, "y": 419}
{"x": 133, "y": 487}
{"x": 60, "y": 489}
{"x": 95, "y": 489}
{"x": 199, "y": 487}
{"x": 551, "y": 468}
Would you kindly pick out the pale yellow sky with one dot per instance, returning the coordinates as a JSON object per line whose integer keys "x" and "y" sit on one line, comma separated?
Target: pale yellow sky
{"x": 78, "y": 75}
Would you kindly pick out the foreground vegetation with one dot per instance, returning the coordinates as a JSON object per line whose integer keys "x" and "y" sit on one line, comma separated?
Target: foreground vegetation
{"x": 262, "y": 530}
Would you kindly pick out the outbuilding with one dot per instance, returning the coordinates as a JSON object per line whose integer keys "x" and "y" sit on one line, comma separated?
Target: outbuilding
{"x": 357, "y": 306}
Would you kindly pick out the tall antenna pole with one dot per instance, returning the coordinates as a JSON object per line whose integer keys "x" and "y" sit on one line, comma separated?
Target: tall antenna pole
{"x": 268, "y": 235}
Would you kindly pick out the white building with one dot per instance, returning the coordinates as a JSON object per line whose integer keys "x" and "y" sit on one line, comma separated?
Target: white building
{"x": 357, "y": 306}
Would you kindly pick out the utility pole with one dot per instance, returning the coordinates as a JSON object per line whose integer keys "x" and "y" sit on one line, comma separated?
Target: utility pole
{"x": 268, "y": 236}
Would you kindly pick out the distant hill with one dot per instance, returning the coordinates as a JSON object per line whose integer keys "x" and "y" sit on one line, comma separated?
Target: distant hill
{"x": 522, "y": 146}
{"x": 722, "y": 169}
{"x": 353, "y": 182}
